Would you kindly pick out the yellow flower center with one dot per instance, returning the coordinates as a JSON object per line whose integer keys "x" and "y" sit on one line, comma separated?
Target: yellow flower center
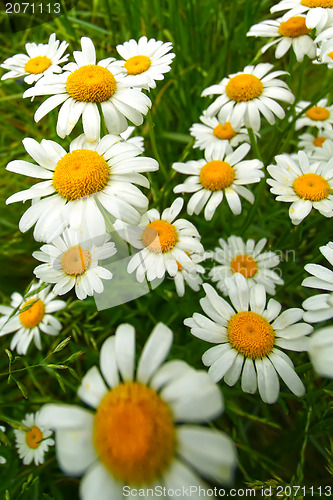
{"x": 294, "y": 27}
{"x": 91, "y": 83}
{"x": 245, "y": 265}
{"x": 311, "y": 187}
{"x": 34, "y": 437}
{"x": 312, "y": 4}
{"x": 317, "y": 113}
{"x": 318, "y": 141}
{"x": 137, "y": 64}
{"x": 37, "y": 65}
{"x": 251, "y": 334}
{"x": 134, "y": 433}
{"x": 224, "y": 132}
{"x": 75, "y": 261}
{"x": 80, "y": 173}
{"x": 32, "y": 316}
{"x": 216, "y": 175}
{"x": 330, "y": 54}
{"x": 159, "y": 236}
{"x": 244, "y": 87}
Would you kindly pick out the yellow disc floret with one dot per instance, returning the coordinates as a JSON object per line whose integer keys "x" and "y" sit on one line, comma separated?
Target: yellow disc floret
{"x": 216, "y": 175}
{"x": 251, "y": 334}
{"x": 294, "y": 27}
{"x": 318, "y": 113}
{"x": 330, "y": 54}
{"x": 91, "y": 83}
{"x": 160, "y": 236}
{"x": 318, "y": 141}
{"x": 245, "y": 265}
{"x": 37, "y": 65}
{"x": 224, "y": 132}
{"x": 80, "y": 173}
{"x": 33, "y": 315}
{"x": 134, "y": 433}
{"x": 312, "y": 4}
{"x": 311, "y": 187}
{"x": 137, "y": 64}
{"x": 244, "y": 87}
{"x": 75, "y": 261}
{"x": 34, "y": 437}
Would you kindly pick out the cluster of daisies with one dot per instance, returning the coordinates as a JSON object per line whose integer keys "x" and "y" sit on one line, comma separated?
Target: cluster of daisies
{"x": 141, "y": 424}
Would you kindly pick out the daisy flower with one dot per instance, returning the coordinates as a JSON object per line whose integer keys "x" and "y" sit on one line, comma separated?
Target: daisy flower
{"x": 211, "y": 134}
{"x": 320, "y": 351}
{"x": 320, "y": 307}
{"x": 236, "y": 256}
{"x": 42, "y": 60}
{"x": 306, "y": 184}
{"x": 319, "y": 13}
{"x": 314, "y": 144}
{"x": 190, "y": 276}
{"x": 287, "y": 33}
{"x": 34, "y": 442}
{"x": 215, "y": 176}
{"x": 102, "y": 172}
{"x": 2, "y": 459}
{"x": 35, "y": 317}
{"x": 164, "y": 243}
{"x": 325, "y": 153}
{"x": 141, "y": 431}
{"x": 244, "y": 95}
{"x": 82, "y": 87}
{"x": 250, "y": 337}
{"x": 72, "y": 260}
{"x": 146, "y": 60}
{"x": 320, "y": 116}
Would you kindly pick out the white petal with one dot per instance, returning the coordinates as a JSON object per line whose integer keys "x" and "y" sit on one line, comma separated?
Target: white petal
{"x": 125, "y": 351}
{"x": 92, "y": 388}
{"x": 154, "y": 352}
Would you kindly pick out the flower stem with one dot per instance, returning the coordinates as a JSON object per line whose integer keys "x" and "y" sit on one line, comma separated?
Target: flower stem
{"x": 254, "y": 143}
{"x": 154, "y": 146}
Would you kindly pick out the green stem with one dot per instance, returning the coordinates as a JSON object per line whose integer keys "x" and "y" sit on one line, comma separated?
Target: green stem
{"x": 154, "y": 147}
{"x": 254, "y": 143}
{"x": 120, "y": 243}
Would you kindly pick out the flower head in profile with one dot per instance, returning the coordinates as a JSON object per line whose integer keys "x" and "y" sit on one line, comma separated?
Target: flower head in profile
{"x": 33, "y": 443}
{"x": 78, "y": 182}
{"x": 41, "y": 60}
{"x": 211, "y": 134}
{"x": 320, "y": 307}
{"x": 250, "y": 336}
{"x": 314, "y": 145}
{"x": 145, "y": 61}
{"x": 287, "y": 33}
{"x": 247, "y": 258}
{"x": 165, "y": 243}
{"x": 83, "y": 87}
{"x": 141, "y": 429}
{"x": 30, "y": 316}
{"x": 72, "y": 260}
{"x": 216, "y": 176}
{"x": 319, "y": 13}
{"x": 304, "y": 183}
{"x": 319, "y": 116}
{"x": 243, "y": 96}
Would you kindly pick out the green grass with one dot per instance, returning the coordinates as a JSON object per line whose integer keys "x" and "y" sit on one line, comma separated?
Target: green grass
{"x": 288, "y": 442}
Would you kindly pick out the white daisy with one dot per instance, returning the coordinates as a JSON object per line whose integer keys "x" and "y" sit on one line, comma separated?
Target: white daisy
{"x": 288, "y": 32}
{"x": 141, "y": 431}
{"x": 103, "y": 172}
{"x": 146, "y": 60}
{"x": 325, "y": 153}
{"x": 250, "y": 337}
{"x": 320, "y": 116}
{"x": 305, "y": 183}
{"x": 320, "y": 351}
{"x": 210, "y": 178}
{"x": 35, "y": 317}
{"x": 319, "y": 13}
{"x": 246, "y": 258}
{"x": 210, "y": 134}
{"x": 33, "y": 443}
{"x": 320, "y": 307}
{"x": 42, "y": 60}
{"x": 244, "y": 95}
{"x": 191, "y": 275}
{"x": 72, "y": 260}
{"x": 314, "y": 144}
{"x": 82, "y": 87}
{"x": 137, "y": 140}
{"x": 164, "y": 243}
{"x": 2, "y": 459}
{"x": 325, "y": 48}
